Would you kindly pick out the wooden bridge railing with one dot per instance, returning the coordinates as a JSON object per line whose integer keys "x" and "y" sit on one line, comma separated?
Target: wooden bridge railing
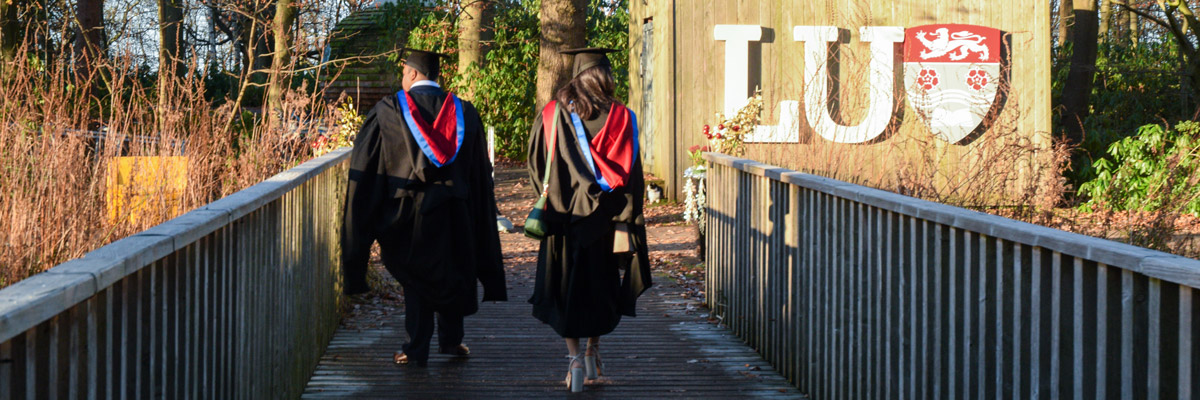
{"x": 853, "y": 292}
{"x": 235, "y": 300}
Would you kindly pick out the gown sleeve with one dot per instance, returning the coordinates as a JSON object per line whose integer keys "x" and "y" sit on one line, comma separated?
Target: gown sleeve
{"x": 490, "y": 261}
{"x": 362, "y": 201}
{"x": 634, "y": 189}
{"x": 637, "y": 278}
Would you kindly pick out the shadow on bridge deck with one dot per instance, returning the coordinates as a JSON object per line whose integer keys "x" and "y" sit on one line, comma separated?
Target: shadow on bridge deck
{"x": 669, "y": 350}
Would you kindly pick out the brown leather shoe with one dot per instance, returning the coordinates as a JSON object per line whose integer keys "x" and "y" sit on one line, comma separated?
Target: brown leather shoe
{"x": 401, "y": 358}
{"x": 460, "y": 350}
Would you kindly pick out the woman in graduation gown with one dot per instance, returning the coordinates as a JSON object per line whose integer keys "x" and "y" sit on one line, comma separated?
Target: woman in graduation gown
{"x": 593, "y": 263}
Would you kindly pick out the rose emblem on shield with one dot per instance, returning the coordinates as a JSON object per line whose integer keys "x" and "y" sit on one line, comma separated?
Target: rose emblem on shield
{"x": 927, "y": 79}
{"x": 951, "y": 73}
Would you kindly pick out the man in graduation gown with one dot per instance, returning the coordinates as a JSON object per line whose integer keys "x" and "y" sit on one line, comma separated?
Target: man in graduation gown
{"x": 421, "y": 185}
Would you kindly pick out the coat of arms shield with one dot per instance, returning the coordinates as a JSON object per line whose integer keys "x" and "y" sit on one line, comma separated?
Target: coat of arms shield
{"x": 951, "y": 76}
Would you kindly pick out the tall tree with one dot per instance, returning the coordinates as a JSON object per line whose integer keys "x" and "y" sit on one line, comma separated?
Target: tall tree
{"x": 1077, "y": 89}
{"x": 285, "y": 19}
{"x": 250, "y": 20}
{"x": 1134, "y": 32}
{"x": 1106, "y": 18}
{"x": 563, "y": 25}
{"x": 10, "y": 28}
{"x": 1065, "y": 21}
{"x": 1121, "y": 26}
{"x": 90, "y": 41}
{"x": 170, "y": 49}
{"x": 253, "y": 30}
{"x": 227, "y": 21}
{"x": 474, "y": 29}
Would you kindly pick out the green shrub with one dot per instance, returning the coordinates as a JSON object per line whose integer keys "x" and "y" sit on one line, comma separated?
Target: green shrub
{"x": 1132, "y": 87}
{"x": 1155, "y": 170}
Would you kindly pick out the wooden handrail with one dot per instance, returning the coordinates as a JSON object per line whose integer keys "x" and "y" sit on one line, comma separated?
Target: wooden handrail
{"x": 234, "y": 299}
{"x": 856, "y": 292}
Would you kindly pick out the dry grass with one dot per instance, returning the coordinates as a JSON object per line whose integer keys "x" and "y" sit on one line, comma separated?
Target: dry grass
{"x": 54, "y": 175}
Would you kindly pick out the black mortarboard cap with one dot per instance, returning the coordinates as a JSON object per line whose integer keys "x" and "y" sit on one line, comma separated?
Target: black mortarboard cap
{"x": 427, "y": 62}
{"x": 589, "y": 57}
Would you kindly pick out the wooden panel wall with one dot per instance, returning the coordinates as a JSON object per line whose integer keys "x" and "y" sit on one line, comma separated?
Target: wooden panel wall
{"x": 691, "y": 62}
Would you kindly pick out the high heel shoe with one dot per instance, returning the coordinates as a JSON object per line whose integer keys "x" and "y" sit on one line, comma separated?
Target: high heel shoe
{"x": 592, "y": 363}
{"x": 575, "y": 374}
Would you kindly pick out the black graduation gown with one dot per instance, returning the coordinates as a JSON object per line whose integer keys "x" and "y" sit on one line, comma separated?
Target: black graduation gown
{"x": 580, "y": 290}
{"x": 436, "y": 227}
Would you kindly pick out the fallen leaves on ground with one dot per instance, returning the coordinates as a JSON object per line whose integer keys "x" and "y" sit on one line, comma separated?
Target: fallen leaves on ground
{"x": 663, "y": 213}
{"x": 685, "y": 271}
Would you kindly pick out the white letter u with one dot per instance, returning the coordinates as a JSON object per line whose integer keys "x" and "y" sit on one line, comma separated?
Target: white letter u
{"x": 881, "y": 101}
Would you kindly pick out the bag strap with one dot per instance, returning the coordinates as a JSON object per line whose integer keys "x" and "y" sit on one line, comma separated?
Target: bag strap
{"x": 551, "y": 150}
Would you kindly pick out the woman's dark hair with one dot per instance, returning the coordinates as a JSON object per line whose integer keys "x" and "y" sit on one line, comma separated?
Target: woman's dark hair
{"x": 589, "y": 93}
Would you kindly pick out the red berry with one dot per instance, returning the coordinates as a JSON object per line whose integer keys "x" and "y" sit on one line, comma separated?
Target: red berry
{"x": 706, "y": 128}
{"x": 735, "y": 128}
{"x": 721, "y": 126}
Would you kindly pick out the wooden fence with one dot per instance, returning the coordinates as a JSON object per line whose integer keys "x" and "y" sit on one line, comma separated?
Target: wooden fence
{"x": 235, "y": 300}
{"x": 853, "y": 292}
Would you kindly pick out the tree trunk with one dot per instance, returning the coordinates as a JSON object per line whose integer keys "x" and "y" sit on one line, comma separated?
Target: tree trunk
{"x": 253, "y": 20}
{"x": 252, "y": 34}
{"x": 473, "y": 25}
{"x": 242, "y": 28}
{"x": 90, "y": 43}
{"x": 35, "y": 16}
{"x": 285, "y": 18}
{"x": 563, "y": 26}
{"x": 10, "y": 29}
{"x": 1134, "y": 31}
{"x": 170, "y": 50}
{"x": 1121, "y": 27}
{"x": 245, "y": 38}
{"x": 262, "y": 37}
{"x": 1106, "y": 17}
{"x": 1077, "y": 89}
{"x": 1065, "y": 21}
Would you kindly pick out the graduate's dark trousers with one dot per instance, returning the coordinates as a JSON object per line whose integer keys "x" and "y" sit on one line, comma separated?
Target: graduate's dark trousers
{"x": 418, "y": 321}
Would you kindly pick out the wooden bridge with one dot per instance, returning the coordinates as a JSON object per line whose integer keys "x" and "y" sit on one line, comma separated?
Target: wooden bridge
{"x": 824, "y": 289}
{"x": 670, "y": 350}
